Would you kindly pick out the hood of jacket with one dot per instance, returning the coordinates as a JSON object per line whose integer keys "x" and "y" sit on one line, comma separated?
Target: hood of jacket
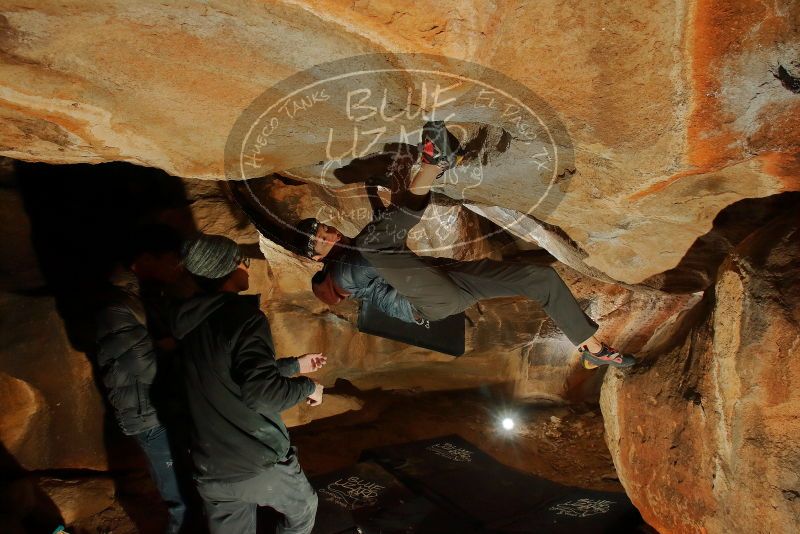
{"x": 189, "y": 314}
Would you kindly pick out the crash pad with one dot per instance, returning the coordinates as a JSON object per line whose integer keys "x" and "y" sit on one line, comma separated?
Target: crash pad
{"x": 446, "y": 336}
{"x": 493, "y": 497}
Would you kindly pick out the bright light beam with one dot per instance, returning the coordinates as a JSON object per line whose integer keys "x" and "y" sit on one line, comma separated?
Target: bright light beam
{"x": 508, "y": 423}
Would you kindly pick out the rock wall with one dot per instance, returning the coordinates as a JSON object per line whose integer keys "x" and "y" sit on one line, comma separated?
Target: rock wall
{"x": 57, "y": 417}
{"x": 56, "y": 422}
{"x": 508, "y": 340}
{"x": 46, "y": 338}
{"x": 672, "y": 114}
{"x": 678, "y": 114}
{"x": 704, "y": 432}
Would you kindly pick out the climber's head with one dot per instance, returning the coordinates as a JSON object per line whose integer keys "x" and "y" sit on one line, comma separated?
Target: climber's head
{"x": 317, "y": 239}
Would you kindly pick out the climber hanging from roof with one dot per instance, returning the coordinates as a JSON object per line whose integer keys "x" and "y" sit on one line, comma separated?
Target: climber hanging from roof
{"x": 376, "y": 266}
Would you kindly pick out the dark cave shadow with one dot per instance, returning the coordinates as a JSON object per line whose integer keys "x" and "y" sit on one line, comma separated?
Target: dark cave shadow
{"x": 80, "y": 217}
{"x": 270, "y": 225}
{"x": 24, "y": 507}
{"x": 496, "y": 398}
{"x": 378, "y": 169}
{"x": 371, "y": 170}
{"x": 237, "y": 214}
{"x": 697, "y": 269}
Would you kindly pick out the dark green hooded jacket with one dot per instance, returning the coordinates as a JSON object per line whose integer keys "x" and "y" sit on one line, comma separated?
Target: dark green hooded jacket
{"x": 235, "y": 387}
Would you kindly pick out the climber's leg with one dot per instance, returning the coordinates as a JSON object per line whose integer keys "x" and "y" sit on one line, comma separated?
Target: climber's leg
{"x": 487, "y": 279}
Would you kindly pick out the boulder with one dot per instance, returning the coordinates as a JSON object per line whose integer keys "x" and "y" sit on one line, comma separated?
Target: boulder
{"x": 704, "y": 432}
{"x": 78, "y": 499}
{"x": 25, "y": 410}
{"x": 214, "y": 211}
{"x": 446, "y": 229}
{"x": 671, "y": 113}
{"x": 57, "y": 415}
{"x": 19, "y": 269}
{"x": 508, "y": 341}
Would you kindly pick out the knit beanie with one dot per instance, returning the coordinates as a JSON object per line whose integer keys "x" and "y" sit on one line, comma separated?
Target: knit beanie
{"x": 211, "y": 256}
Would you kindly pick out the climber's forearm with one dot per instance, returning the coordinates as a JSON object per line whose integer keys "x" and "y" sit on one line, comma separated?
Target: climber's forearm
{"x": 420, "y": 186}
{"x": 422, "y": 181}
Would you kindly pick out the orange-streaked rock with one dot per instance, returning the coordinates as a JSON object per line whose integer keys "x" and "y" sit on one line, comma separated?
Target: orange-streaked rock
{"x": 673, "y": 114}
{"x": 508, "y": 340}
{"x": 53, "y": 383}
{"x": 704, "y": 432}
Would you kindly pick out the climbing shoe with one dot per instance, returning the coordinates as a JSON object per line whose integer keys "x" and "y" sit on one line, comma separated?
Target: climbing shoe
{"x": 438, "y": 146}
{"x": 606, "y": 356}
{"x": 586, "y": 364}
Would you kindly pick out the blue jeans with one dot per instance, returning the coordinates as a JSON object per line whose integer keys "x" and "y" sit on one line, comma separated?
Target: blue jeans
{"x": 156, "y": 447}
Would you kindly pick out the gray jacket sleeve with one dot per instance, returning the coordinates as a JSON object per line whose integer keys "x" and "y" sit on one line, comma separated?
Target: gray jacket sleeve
{"x": 288, "y": 366}
{"x": 387, "y": 299}
{"x": 253, "y": 366}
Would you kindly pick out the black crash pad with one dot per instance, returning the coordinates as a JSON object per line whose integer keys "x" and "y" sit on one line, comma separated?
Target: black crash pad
{"x": 366, "y": 499}
{"x": 493, "y": 497}
{"x": 446, "y": 336}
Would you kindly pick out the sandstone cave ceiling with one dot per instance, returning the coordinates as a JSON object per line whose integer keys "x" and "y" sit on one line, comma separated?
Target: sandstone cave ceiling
{"x": 672, "y": 215}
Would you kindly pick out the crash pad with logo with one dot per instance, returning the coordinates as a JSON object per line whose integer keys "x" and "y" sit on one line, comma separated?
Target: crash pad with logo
{"x": 459, "y": 477}
{"x": 367, "y": 499}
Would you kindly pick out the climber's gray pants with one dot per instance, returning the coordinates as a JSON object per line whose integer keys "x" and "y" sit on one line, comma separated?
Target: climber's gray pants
{"x": 438, "y": 287}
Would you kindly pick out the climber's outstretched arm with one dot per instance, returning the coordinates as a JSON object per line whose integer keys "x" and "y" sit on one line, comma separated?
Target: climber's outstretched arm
{"x": 421, "y": 183}
{"x": 375, "y": 201}
{"x": 438, "y": 153}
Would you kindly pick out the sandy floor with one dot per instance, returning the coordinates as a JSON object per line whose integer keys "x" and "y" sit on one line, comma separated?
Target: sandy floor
{"x": 564, "y": 444}
{"x": 561, "y": 443}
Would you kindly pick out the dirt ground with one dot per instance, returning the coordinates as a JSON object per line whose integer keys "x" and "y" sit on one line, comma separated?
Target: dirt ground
{"x": 561, "y": 443}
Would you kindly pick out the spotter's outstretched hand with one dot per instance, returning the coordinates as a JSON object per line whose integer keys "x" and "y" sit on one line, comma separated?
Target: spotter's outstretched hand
{"x": 311, "y": 362}
{"x": 315, "y": 399}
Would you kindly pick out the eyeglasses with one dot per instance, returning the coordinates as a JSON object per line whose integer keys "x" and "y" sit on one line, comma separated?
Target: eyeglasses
{"x": 242, "y": 260}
